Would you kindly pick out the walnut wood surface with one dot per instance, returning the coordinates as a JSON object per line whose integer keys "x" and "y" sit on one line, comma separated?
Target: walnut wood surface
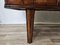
{"x": 33, "y": 4}
{"x": 45, "y": 2}
{"x": 30, "y": 24}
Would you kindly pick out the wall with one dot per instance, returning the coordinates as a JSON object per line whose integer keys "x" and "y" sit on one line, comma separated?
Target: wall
{"x": 9, "y": 16}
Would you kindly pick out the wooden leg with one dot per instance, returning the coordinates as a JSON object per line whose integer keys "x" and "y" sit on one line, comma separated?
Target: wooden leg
{"x": 30, "y": 24}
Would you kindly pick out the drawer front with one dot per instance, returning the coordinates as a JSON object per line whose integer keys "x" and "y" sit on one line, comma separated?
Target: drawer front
{"x": 45, "y": 2}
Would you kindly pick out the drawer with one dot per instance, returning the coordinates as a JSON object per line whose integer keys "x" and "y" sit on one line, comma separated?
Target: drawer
{"x": 45, "y": 2}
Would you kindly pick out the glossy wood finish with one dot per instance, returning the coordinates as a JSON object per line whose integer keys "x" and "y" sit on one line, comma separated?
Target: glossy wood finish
{"x": 30, "y": 24}
{"x": 33, "y": 4}
{"x": 18, "y": 4}
{"x": 30, "y": 6}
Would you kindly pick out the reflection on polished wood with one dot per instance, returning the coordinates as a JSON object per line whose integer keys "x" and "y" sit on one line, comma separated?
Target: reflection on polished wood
{"x": 30, "y": 6}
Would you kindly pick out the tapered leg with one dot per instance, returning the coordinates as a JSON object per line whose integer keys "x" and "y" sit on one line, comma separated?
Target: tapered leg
{"x": 30, "y": 24}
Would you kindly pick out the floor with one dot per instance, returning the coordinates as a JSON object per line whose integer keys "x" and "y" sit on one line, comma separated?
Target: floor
{"x": 42, "y": 35}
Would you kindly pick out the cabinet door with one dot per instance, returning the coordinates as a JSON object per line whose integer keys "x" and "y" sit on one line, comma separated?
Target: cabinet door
{"x": 12, "y": 2}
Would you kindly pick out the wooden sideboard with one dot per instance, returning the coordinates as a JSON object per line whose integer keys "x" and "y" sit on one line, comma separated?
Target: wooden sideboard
{"x": 30, "y": 6}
